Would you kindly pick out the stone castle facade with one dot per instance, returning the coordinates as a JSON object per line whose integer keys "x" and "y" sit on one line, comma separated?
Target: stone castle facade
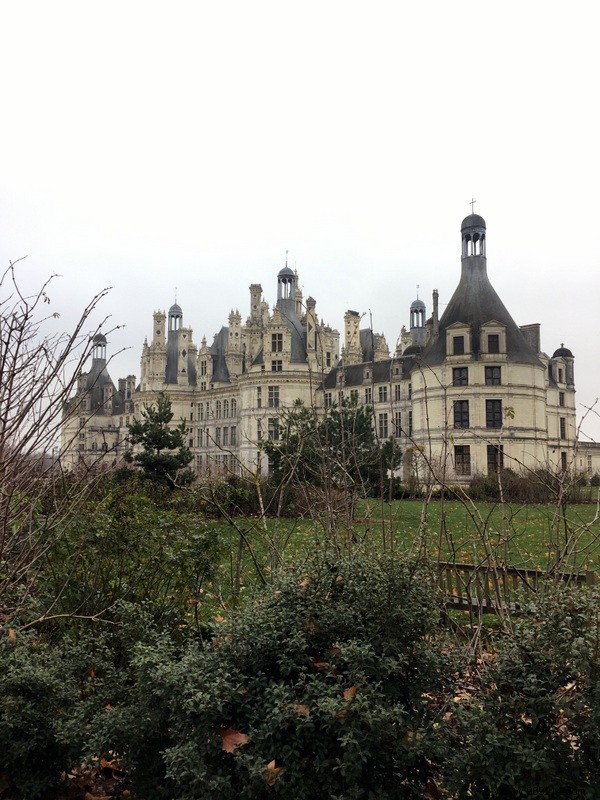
{"x": 463, "y": 394}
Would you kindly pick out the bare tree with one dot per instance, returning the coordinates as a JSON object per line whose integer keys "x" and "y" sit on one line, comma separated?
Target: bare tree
{"x": 38, "y": 372}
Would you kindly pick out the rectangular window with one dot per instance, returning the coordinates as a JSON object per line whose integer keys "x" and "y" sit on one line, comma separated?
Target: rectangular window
{"x": 233, "y": 435}
{"x": 277, "y": 366}
{"x": 190, "y": 443}
{"x": 560, "y": 375}
{"x": 410, "y": 423}
{"x": 201, "y": 437}
{"x": 383, "y": 426}
{"x": 589, "y": 465}
{"x": 410, "y": 391}
{"x": 493, "y": 376}
{"x": 397, "y": 392}
{"x": 563, "y": 428}
{"x": 259, "y": 397}
{"x": 328, "y": 400}
{"x": 368, "y": 396}
{"x": 493, "y": 413}
{"x": 561, "y": 399}
{"x": 458, "y": 345}
{"x": 273, "y": 396}
{"x": 460, "y": 376}
{"x": 327, "y": 359}
{"x": 203, "y": 368}
{"x": 397, "y": 424}
{"x": 276, "y": 342}
{"x": 383, "y": 394}
{"x": 225, "y": 437}
{"x": 354, "y": 397}
{"x": 495, "y": 458}
{"x": 461, "y": 414}
{"x": 218, "y": 409}
{"x": 218, "y": 436}
{"x": 563, "y": 462}
{"x": 462, "y": 459}
{"x": 225, "y": 408}
{"x": 200, "y": 411}
{"x": 258, "y": 429}
{"x": 274, "y": 429}
{"x": 203, "y": 386}
{"x": 493, "y": 343}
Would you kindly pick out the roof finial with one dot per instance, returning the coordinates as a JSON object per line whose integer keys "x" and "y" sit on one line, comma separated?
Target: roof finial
{"x": 175, "y": 295}
{"x": 286, "y": 256}
{"x": 418, "y": 291}
{"x": 473, "y": 201}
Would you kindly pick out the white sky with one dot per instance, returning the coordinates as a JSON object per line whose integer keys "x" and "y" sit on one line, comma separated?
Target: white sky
{"x": 147, "y": 146}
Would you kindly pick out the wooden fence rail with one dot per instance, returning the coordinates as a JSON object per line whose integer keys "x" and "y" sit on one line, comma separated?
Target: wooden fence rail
{"x": 483, "y": 587}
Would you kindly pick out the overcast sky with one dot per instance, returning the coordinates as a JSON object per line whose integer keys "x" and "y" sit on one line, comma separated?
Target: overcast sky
{"x": 185, "y": 146}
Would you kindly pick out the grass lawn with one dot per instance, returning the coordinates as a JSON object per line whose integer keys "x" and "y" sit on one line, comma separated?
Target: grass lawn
{"x": 519, "y": 535}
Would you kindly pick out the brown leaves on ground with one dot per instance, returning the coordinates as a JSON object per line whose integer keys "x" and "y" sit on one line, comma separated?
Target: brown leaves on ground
{"x": 101, "y": 780}
{"x": 232, "y": 739}
{"x": 272, "y": 773}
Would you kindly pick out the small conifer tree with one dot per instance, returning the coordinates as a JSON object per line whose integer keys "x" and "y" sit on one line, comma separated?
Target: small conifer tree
{"x": 165, "y": 457}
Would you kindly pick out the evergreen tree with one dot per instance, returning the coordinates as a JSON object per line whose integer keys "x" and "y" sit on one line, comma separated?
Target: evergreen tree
{"x": 165, "y": 457}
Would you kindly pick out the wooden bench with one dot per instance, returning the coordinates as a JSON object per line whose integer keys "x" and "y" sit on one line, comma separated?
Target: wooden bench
{"x": 485, "y": 588}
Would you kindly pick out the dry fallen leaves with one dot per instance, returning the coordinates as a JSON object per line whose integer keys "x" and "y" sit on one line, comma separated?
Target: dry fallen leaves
{"x": 232, "y": 739}
{"x": 272, "y": 773}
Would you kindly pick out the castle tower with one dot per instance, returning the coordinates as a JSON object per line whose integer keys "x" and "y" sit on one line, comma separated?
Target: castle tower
{"x": 417, "y": 322}
{"x": 352, "y": 352}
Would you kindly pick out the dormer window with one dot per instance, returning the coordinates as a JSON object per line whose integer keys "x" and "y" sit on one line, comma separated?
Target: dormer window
{"x": 493, "y": 339}
{"x": 493, "y": 342}
{"x": 458, "y": 345}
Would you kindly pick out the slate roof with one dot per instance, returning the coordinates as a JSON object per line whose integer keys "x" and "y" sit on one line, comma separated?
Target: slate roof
{"x": 474, "y": 303}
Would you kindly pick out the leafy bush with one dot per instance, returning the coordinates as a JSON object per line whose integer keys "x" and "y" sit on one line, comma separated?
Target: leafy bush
{"x": 36, "y": 704}
{"x": 315, "y": 690}
{"x": 531, "y": 726}
{"x": 127, "y": 545}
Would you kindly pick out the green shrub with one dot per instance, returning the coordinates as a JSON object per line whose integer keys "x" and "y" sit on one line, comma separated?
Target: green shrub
{"x": 326, "y": 675}
{"x": 37, "y": 696}
{"x": 530, "y": 728}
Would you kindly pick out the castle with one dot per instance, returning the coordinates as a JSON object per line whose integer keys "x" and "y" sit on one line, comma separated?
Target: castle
{"x": 463, "y": 394}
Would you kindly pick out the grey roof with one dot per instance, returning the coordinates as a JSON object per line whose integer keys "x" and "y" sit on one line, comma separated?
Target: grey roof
{"x": 474, "y": 303}
{"x": 95, "y": 382}
{"x": 286, "y": 272}
{"x": 417, "y": 304}
{"x": 472, "y": 221}
{"x": 379, "y": 372}
{"x": 175, "y": 309}
{"x": 563, "y": 351}
{"x": 219, "y": 347}
{"x": 99, "y": 338}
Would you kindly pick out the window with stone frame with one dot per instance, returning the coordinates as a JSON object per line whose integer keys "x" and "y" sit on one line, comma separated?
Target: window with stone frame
{"x": 328, "y": 399}
{"x": 273, "y": 429}
{"x": 493, "y": 376}
{"x": 563, "y": 427}
{"x": 495, "y": 458}
{"x": 397, "y": 392}
{"x": 368, "y": 395}
{"x": 276, "y": 342}
{"x": 493, "y": 413}
{"x": 383, "y": 426}
{"x": 218, "y": 409}
{"x": 383, "y": 394}
{"x": 218, "y": 437}
{"x": 461, "y": 413}
{"x": 561, "y": 398}
{"x": 234, "y": 408}
{"x": 460, "y": 376}
{"x": 397, "y": 424}
{"x": 226, "y": 437}
{"x": 273, "y": 396}
{"x": 259, "y": 397}
{"x": 354, "y": 396}
{"x": 462, "y": 459}
{"x": 493, "y": 343}
{"x": 277, "y": 365}
{"x": 233, "y": 435}
{"x": 458, "y": 345}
